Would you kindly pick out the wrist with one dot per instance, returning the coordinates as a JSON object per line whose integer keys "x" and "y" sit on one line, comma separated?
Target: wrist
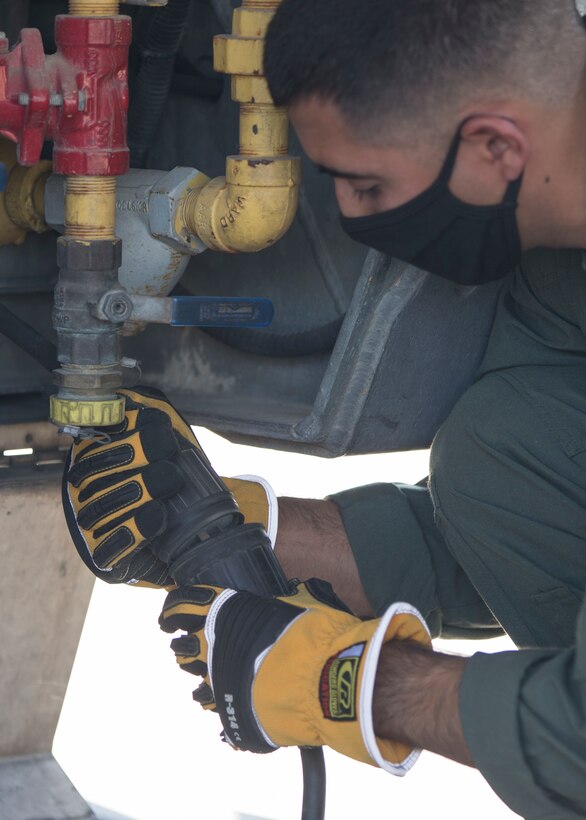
{"x": 416, "y": 700}
{"x": 312, "y": 543}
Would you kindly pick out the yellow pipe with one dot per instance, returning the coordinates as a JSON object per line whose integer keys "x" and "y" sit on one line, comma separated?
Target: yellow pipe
{"x": 254, "y": 204}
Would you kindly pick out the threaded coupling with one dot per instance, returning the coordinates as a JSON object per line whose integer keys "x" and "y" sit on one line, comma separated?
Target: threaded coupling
{"x": 90, "y": 207}
{"x": 263, "y": 5}
{"x": 94, "y": 8}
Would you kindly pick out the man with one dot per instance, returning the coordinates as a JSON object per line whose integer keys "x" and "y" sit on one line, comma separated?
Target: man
{"x": 454, "y": 131}
{"x": 416, "y": 108}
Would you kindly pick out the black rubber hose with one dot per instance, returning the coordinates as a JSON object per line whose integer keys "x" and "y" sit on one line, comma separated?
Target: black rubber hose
{"x": 314, "y": 784}
{"x": 308, "y": 342}
{"x": 151, "y": 90}
{"x": 28, "y": 339}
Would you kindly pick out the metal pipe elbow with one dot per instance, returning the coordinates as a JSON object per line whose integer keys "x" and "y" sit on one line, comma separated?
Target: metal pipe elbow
{"x": 250, "y": 208}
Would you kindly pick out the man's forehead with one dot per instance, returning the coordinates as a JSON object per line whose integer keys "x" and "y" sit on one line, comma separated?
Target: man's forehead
{"x": 330, "y": 142}
{"x": 322, "y": 126}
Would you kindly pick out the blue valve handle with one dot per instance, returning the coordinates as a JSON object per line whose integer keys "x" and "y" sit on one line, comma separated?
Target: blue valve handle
{"x": 220, "y": 311}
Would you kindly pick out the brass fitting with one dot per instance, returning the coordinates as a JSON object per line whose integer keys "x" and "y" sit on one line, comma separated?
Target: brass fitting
{"x": 94, "y": 8}
{"x": 22, "y": 203}
{"x": 255, "y": 203}
{"x": 90, "y": 207}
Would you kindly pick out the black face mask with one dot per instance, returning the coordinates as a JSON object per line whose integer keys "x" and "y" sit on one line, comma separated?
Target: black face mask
{"x": 436, "y": 231}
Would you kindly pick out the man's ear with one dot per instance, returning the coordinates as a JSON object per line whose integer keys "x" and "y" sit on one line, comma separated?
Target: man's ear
{"x": 501, "y": 141}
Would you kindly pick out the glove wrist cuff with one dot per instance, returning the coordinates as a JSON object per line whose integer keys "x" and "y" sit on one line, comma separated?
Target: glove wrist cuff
{"x": 272, "y": 523}
{"x": 373, "y": 746}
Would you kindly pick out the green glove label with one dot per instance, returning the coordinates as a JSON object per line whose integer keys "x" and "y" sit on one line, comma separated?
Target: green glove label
{"x": 337, "y": 687}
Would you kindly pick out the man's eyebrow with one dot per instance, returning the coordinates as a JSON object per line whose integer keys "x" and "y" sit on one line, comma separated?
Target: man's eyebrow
{"x": 334, "y": 172}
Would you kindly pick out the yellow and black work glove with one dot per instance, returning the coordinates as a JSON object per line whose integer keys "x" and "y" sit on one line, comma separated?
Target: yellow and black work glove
{"x": 292, "y": 671}
{"x": 133, "y": 501}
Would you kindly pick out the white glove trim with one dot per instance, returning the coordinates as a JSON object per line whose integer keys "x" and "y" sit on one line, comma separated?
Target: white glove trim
{"x": 210, "y": 628}
{"x": 367, "y": 693}
{"x": 272, "y": 503}
{"x": 210, "y": 635}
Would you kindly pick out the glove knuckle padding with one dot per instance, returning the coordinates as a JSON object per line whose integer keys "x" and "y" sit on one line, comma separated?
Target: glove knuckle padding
{"x": 110, "y": 457}
{"x": 109, "y": 503}
{"x": 186, "y": 608}
{"x": 204, "y": 695}
{"x": 155, "y": 481}
{"x": 128, "y": 531}
{"x": 162, "y": 479}
{"x": 151, "y": 519}
{"x": 155, "y": 399}
{"x": 187, "y": 649}
{"x": 114, "y": 547}
{"x": 188, "y": 645}
{"x": 96, "y": 486}
{"x": 142, "y": 566}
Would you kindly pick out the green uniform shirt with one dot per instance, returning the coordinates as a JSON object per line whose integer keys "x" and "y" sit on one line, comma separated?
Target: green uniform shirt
{"x": 504, "y": 541}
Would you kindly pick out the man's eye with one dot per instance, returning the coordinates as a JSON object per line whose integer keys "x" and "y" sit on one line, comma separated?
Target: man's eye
{"x": 366, "y": 193}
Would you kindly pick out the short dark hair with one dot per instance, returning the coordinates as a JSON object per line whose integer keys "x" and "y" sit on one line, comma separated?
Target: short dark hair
{"x": 411, "y": 60}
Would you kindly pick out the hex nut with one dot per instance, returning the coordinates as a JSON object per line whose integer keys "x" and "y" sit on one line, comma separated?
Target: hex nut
{"x": 115, "y": 306}
{"x": 96, "y": 255}
{"x": 164, "y": 200}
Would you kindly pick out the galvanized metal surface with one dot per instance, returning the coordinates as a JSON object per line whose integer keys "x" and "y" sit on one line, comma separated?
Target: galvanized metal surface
{"x": 35, "y": 788}
{"x": 409, "y": 347}
{"x": 155, "y": 254}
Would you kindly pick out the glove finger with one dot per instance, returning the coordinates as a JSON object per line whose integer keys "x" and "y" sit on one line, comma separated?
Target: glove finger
{"x": 115, "y": 433}
{"x": 154, "y": 442}
{"x": 204, "y": 696}
{"x": 157, "y": 399}
{"x": 128, "y": 537}
{"x": 110, "y": 505}
{"x": 155, "y": 481}
{"x": 187, "y": 649}
{"x": 141, "y": 567}
{"x": 186, "y": 608}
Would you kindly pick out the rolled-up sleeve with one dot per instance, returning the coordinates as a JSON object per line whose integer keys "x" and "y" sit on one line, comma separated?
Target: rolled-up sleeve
{"x": 402, "y": 556}
{"x": 524, "y": 719}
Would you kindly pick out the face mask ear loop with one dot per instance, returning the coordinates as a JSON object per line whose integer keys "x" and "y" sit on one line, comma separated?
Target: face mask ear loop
{"x": 512, "y": 193}
{"x": 450, "y": 161}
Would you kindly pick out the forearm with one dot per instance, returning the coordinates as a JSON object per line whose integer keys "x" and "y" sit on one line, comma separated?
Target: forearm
{"x": 416, "y": 700}
{"x": 312, "y": 542}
